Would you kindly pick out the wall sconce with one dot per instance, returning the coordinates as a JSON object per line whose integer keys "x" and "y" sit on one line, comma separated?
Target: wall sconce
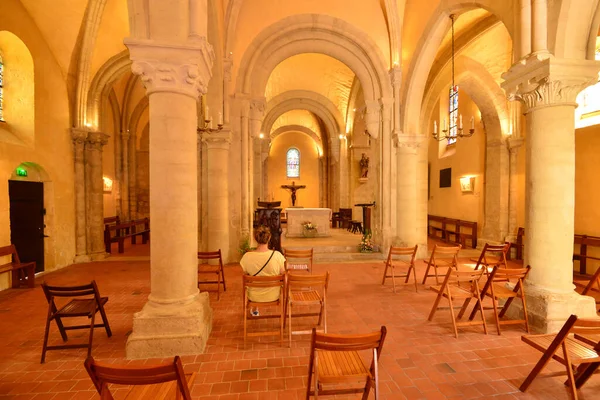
{"x": 467, "y": 184}
{"x": 342, "y": 136}
{"x": 108, "y": 184}
{"x": 261, "y": 135}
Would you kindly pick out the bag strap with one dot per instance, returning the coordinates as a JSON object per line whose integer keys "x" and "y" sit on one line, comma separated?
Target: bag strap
{"x": 263, "y": 267}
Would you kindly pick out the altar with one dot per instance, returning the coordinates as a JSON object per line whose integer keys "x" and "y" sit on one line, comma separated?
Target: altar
{"x": 296, "y": 217}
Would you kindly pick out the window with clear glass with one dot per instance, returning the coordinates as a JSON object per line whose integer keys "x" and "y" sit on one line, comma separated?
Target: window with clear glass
{"x": 293, "y": 163}
{"x": 1, "y": 89}
{"x": 453, "y": 114}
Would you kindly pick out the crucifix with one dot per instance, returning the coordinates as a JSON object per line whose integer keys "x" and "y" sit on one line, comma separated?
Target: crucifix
{"x": 292, "y": 188}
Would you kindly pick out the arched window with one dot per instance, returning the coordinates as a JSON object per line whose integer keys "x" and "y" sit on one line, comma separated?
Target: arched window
{"x": 293, "y": 163}
{"x": 1, "y": 88}
{"x": 453, "y": 112}
{"x": 588, "y": 111}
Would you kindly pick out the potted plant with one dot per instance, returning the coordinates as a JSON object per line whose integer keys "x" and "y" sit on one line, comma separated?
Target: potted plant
{"x": 309, "y": 229}
{"x": 366, "y": 245}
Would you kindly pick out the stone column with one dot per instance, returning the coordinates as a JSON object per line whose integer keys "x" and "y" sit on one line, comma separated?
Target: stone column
{"x": 79, "y": 136}
{"x": 407, "y": 147}
{"x": 177, "y": 319}
{"x": 227, "y": 65}
{"x": 548, "y": 88}
{"x": 514, "y": 144}
{"x": 125, "y": 168}
{"x": 95, "y": 195}
{"x": 257, "y": 112}
{"x": 245, "y": 139}
{"x": 386, "y": 172}
{"x": 217, "y": 145}
{"x": 396, "y": 79}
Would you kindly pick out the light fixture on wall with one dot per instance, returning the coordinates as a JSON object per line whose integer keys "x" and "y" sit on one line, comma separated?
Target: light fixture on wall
{"x": 207, "y": 125}
{"x": 108, "y": 184}
{"x": 467, "y": 184}
{"x": 454, "y": 130}
{"x": 261, "y": 135}
{"x": 342, "y": 136}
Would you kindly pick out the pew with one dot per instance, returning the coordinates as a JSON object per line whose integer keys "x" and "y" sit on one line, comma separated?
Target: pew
{"x": 112, "y": 220}
{"x": 452, "y": 230}
{"x": 129, "y": 229}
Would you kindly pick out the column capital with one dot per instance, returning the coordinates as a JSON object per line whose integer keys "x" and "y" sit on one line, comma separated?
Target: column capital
{"x": 396, "y": 76}
{"x": 183, "y": 68}
{"x": 514, "y": 143}
{"x": 408, "y": 144}
{"x": 125, "y": 135}
{"x": 227, "y": 66}
{"x": 373, "y": 109}
{"x": 96, "y": 140}
{"x": 258, "y": 105}
{"x": 217, "y": 140}
{"x": 79, "y": 135}
{"x": 543, "y": 80}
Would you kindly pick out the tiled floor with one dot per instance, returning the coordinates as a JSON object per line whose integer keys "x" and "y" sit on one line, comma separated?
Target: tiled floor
{"x": 420, "y": 360}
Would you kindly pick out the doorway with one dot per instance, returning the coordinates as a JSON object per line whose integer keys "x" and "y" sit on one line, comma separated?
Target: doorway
{"x": 27, "y": 220}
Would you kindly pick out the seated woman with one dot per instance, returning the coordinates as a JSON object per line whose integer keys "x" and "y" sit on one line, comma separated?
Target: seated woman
{"x": 263, "y": 262}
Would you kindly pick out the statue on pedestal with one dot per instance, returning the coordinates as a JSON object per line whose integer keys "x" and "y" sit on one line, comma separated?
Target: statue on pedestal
{"x": 364, "y": 166}
{"x": 292, "y": 188}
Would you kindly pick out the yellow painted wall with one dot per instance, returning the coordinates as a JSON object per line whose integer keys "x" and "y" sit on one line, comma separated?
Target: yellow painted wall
{"x": 51, "y": 147}
{"x": 466, "y": 159}
{"x": 309, "y": 170}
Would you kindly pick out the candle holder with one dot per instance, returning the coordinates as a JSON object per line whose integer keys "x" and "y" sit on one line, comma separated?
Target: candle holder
{"x": 207, "y": 127}
{"x": 459, "y": 134}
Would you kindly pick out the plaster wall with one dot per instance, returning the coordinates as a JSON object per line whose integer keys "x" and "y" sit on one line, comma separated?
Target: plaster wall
{"x": 309, "y": 170}
{"x": 51, "y": 148}
{"x": 466, "y": 158}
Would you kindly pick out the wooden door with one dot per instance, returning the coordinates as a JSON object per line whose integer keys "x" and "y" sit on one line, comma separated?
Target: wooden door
{"x": 27, "y": 220}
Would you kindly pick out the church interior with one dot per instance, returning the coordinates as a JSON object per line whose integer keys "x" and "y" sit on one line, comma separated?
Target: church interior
{"x": 137, "y": 135}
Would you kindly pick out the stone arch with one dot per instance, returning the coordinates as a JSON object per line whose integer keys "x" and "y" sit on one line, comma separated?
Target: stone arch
{"x": 114, "y": 68}
{"x": 420, "y": 67}
{"x": 593, "y": 34}
{"x": 298, "y": 128}
{"x": 314, "y": 33}
{"x": 35, "y": 173}
{"x": 575, "y": 22}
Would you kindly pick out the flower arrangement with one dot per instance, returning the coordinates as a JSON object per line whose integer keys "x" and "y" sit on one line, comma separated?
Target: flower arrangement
{"x": 309, "y": 226}
{"x": 366, "y": 245}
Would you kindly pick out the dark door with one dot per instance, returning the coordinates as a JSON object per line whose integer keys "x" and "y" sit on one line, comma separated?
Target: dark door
{"x": 27, "y": 220}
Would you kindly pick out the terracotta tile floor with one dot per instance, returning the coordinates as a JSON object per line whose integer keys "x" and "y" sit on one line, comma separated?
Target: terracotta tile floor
{"x": 420, "y": 360}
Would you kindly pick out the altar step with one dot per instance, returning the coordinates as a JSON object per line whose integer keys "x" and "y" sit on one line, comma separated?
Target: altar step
{"x": 327, "y": 254}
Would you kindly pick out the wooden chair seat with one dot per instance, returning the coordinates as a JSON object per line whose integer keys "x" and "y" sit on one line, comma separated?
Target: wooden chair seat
{"x": 335, "y": 366}
{"x": 309, "y": 296}
{"x": 391, "y": 264}
{"x": 576, "y": 350}
{"x": 501, "y": 291}
{"x": 457, "y": 292}
{"x": 592, "y": 340}
{"x": 158, "y": 391}
{"x": 307, "y": 290}
{"x": 80, "y": 308}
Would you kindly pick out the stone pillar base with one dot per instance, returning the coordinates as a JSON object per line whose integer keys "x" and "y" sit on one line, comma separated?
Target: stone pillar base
{"x": 167, "y": 330}
{"x": 548, "y": 310}
{"x": 98, "y": 256}
{"x": 81, "y": 258}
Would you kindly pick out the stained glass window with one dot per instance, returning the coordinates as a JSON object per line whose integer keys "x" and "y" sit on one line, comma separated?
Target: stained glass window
{"x": 293, "y": 163}
{"x": 1, "y": 89}
{"x": 453, "y": 111}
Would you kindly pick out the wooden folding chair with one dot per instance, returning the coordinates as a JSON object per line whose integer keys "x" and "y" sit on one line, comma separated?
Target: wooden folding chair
{"x": 436, "y": 262}
{"x": 334, "y": 359}
{"x": 298, "y": 260}
{"x": 392, "y": 263}
{"x": 495, "y": 287}
{"x": 491, "y": 256}
{"x": 459, "y": 285}
{"x": 151, "y": 382}
{"x": 264, "y": 282}
{"x": 206, "y": 268}
{"x": 86, "y": 307}
{"x": 581, "y": 359}
{"x": 307, "y": 290}
{"x": 593, "y": 285}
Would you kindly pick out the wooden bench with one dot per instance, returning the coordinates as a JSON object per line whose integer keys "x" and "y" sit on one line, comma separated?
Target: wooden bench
{"x": 129, "y": 229}
{"x": 452, "y": 230}
{"x": 22, "y": 273}
{"x": 112, "y": 220}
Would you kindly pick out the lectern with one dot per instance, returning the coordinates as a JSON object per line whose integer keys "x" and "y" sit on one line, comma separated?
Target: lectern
{"x": 366, "y": 215}
{"x": 270, "y": 217}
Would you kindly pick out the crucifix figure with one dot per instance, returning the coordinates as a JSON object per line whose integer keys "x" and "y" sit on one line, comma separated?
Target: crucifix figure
{"x": 292, "y": 188}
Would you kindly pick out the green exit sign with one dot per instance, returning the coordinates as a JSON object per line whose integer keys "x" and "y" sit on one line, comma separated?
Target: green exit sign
{"x": 21, "y": 172}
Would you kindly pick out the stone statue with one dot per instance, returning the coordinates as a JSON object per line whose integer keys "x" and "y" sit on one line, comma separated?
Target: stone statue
{"x": 364, "y": 166}
{"x": 292, "y": 188}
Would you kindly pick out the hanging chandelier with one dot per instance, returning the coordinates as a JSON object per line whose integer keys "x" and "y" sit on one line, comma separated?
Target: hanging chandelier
{"x": 454, "y": 130}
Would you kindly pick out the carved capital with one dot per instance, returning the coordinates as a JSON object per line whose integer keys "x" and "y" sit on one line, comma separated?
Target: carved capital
{"x": 125, "y": 135}
{"x": 95, "y": 140}
{"x": 217, "y": 140}
{"x": 372, "y": 112}
{"x": 78, "y": 135}
{"x": 396, "y": 76}
{"x": 408, "y": 144}
{"x": 548, "y": 81}
{"x": 184, "y": 68}
{"x": 514, "y": 144}
{"x": 258, "y": 107}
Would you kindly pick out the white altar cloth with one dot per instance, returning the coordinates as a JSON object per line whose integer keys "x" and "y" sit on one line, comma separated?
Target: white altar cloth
{"x": 320, "y": 217}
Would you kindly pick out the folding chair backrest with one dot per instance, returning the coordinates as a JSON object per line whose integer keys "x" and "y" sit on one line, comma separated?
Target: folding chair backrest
{"x": 494, "y": 250}
{"x": 295, "y": 281}
{"x": 10, "y": 250}
{"x": 263, "y": 281}
{"x": 298, "y": 258}
{"x": 594, "y": 281}
{"x": 453, "y": 276}
{"x": 586, "y": 326}
{"x": 403, "y": 251}
{"x": 444, "y": 250}
{"x": 210, "y": 255}
{"x": 500, "y": 274}
{"x": 103, "y": 374}
{"x": 71, "y": 291}
{"x": 339, "y": 342}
